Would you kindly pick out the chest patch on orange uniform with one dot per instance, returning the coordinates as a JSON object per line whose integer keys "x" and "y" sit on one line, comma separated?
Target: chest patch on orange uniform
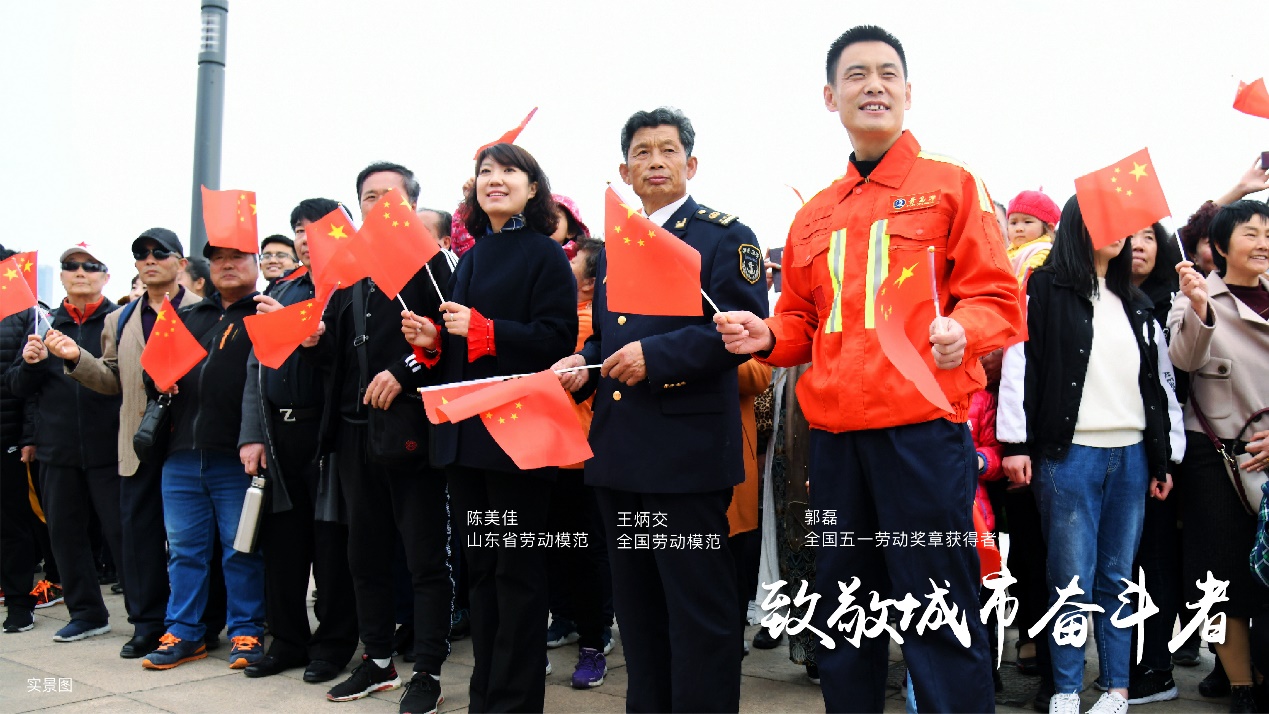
{"x": 899, "y": 204}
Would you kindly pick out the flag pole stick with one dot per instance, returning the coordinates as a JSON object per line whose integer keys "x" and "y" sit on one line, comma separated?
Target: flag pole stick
{"x": 433, "y": 278}
{"x": 710, "y": 301}
{"x": 403, "y": 305}
{"x": 934, "y": 286}
{"x": 490, "y": 380}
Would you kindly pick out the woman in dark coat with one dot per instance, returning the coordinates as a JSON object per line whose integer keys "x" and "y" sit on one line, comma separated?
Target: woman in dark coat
{"x": 514, "y": 311}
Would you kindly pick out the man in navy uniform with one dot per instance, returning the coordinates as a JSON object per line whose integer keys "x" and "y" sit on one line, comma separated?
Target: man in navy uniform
{"x": 668, "y": 444}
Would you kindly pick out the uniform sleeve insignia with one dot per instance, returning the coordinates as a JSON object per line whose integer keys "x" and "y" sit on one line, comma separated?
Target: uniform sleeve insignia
{"x": 750, "y": 263}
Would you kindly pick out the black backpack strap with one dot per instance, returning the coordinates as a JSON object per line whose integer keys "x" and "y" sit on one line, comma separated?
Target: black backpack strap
{"x": 359, "y": 327}
{"x": 124, "y": 314}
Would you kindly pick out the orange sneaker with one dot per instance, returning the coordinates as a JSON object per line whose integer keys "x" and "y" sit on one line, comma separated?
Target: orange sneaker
{"x": 246, "y": 651}
{"x": 47, "y": 594}
{"x": 173, "y": 651}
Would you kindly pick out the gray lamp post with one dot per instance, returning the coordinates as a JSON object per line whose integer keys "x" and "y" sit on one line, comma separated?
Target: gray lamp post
{"x": 209, "y": 114}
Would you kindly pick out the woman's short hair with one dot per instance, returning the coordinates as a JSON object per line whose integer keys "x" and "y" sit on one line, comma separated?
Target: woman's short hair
{"x": 539, "y": 212}
{"x": 1224, "y": 223}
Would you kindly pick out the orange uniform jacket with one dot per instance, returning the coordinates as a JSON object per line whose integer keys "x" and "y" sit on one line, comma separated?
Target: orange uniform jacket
{"x": 843, "y": 245}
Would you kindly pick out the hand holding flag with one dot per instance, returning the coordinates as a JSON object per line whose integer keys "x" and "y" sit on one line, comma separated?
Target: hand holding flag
{"x": 901, "y": 300}
{"x": 650, "y": 270}
{"x": 172, "y": 350}
{"x": 275, "y": 335}
{"x": 531, "y": 418}
{"x": 230, "y": 219}
{"x": 1121, "y": 199}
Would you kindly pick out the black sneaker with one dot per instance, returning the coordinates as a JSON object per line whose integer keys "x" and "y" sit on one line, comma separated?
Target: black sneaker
{"x": 19, "y": 620}
{"x": 422, "y": 694}
{"x": 1147, "y": 685}
{"x": 1242, "y": 699}
{"x": 459, "y": 624}
{"x": 1044, "y": 693}
{"x": 366, "y": 679}
{"x": 1216, "y": 684}
{"x": 763, "y": 640}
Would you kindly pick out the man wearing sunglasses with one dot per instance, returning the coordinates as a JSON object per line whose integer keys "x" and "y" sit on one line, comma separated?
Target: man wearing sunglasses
{"x": 76, "y": 448}
{"x": 159, "y": 257}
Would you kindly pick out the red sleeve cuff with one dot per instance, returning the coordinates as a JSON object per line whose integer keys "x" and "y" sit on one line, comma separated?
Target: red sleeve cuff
{"x": 424, "y": 357}
{"x": 480, "y": 337}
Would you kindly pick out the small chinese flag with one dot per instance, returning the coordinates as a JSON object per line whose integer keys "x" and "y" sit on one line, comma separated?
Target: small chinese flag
{"x": 531, "y": 418}
{"x": 399, "y": 243}
{"x": 650, "y": 270}
{"x": 1121, "y": 199}
{"x": 15, "y": 294}
{"x": 434, "y": 399}
{"x": 1252, "y": 99}
{"x": 230, "y": 219}
{"x": 510, "y": 137}
{"x": 905, "y": 298}
{"x": 275, "y": 335}
{"x": 27, "y": 263}
{"x": 172, "y": 351}
{"x": 338, "y": 254}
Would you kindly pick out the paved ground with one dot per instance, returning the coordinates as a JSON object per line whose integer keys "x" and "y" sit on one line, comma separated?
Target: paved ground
{"x": 99, "y": 681}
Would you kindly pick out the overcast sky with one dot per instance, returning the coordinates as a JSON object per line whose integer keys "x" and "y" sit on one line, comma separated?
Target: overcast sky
{"x": 99, "y": 100}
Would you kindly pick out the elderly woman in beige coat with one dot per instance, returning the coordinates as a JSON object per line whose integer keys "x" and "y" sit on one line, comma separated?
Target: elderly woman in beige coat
{"x": 1221, "y": 336}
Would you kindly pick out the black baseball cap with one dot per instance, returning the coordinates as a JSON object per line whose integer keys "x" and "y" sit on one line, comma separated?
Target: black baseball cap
{"x": 165, "y": 238}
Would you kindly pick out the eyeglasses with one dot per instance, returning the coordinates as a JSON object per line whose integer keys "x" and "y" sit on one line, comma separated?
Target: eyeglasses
{"x": 159, "y": 253}
{"x": 276, "y": 256}
{"x": 89, "y": 266}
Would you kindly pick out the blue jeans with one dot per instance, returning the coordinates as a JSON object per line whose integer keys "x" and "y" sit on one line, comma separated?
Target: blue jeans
{"x": 202, "y": 493}
{"x": 1092, "y": 504}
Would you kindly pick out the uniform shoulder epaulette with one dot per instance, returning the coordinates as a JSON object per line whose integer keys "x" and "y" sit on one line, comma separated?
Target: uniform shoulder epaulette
{"x": 705, "y": 213}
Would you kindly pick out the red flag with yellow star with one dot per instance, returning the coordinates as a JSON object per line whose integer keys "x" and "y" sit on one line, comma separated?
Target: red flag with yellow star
{"x": 338, "y": 255}
{"x": 1252, "y": 99}
{"x": 230, "y": 219}
{"x": 172, "y": 350}
{"x": 510, "y": 137}
{"x": 650, "y": 270}
{"x": 399, "y": 244}
{"x": 275, "y": 335}
{"x": 15, "y": 294}
{"x": 904, "y": 309}
{"x": 434, "y": 399}
{"x": 1121, "y": 199}
{"x": 531, "y": 418}
{"x": 27, "y": 265}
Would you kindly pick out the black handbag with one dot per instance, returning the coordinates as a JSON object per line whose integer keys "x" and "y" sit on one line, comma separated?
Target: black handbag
{"x": 150, "y": 441}
{"x": 394, "y": 435}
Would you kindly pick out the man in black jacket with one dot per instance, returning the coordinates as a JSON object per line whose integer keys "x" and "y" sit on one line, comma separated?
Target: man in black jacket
{"x": 281, "y": 409}
{"x": 203, "y": 480}
{"x": 20, "y": 538}
{"x": 75, "y": 443}
{"x": 373, "y": 377}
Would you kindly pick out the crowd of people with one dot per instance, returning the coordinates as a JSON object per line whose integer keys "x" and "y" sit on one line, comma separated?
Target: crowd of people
{"x": 1100, "y": 408}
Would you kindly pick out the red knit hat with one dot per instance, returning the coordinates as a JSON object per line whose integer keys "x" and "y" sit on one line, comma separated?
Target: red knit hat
{"x": 1035, "y": 203}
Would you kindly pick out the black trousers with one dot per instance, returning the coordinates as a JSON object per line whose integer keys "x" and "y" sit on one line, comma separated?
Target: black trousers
{"x": 413, "y": 497}
{"x": 580, "y": 577}
{"x": 70, "y": 497}
{"x": 508, "y": 593}
{"x": 19, "y": 542}
{"x": 1160, "y": 556}
{"x": 1028, "y": 562}
{"x": 292, "y": 542}
{"x": 677, "y": 607}
{"x": 905, "y": 479}
{"x": 142, "y": 559}
{"x": 746, "y": 554}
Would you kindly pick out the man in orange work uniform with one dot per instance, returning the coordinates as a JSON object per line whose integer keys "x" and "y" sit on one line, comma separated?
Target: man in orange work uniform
{"x": 882, "y": 456}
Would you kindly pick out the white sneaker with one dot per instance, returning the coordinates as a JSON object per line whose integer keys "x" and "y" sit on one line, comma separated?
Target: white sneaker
{"x": 1064, "y": 704}
{"x": 1110, "y": 703}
